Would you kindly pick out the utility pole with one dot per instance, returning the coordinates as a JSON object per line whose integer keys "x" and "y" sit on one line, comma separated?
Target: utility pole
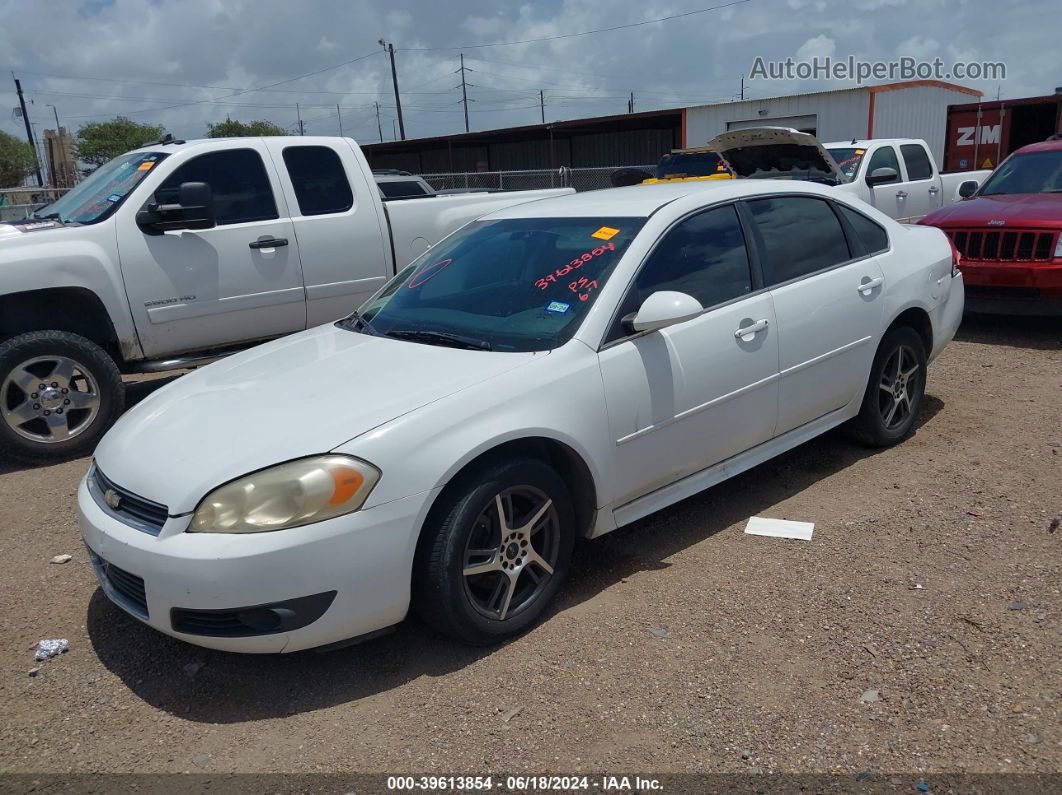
{"x": 464, "y": 90}
{"x": 379, "y": 129}
{"x": 743, "y": 86}
{"x": 542, "y": 105}
{"x": 394, "y": 131}
{"x": 339, "y": 115}
{"x": 29, "y": 131}
{"x": 630, "y": 103}
{"x": 298, "y": 113}
{"x": 390, "y": 50}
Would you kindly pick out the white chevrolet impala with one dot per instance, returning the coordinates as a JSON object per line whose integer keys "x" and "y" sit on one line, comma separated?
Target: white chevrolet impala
{"x": 557, "y": 369}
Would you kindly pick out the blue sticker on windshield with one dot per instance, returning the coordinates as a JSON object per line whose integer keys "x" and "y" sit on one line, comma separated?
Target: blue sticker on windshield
{"x": 558, "y": 306}
{"x": 114, "y": 197}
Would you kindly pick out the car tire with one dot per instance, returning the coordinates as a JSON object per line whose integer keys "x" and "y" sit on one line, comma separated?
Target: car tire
{"x": 895, "y": 390}
{"x": 59, "y": 393}
{"x": 480, "y": 581}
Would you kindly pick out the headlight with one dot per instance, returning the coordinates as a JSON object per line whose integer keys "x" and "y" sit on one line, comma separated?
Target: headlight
{"x": 1058, "y": 246}
{"x": 287, "y": 495}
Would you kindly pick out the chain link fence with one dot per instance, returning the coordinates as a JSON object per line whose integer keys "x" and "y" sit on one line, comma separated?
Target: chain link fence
{"x": 579, "y": 178}
{"x": 17, "y": 203}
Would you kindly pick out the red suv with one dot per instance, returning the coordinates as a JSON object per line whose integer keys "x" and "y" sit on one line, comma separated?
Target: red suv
{"x": 1007, "y": 234}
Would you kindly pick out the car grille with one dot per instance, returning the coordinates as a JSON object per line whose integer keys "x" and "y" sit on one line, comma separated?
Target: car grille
{"x": 1012, "y": 245}
{"x": 131, "y": 509}
{"x": 121, "y": 586}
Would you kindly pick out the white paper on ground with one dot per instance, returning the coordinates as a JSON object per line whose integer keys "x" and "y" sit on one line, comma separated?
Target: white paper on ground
{"x": 779, "y": 528}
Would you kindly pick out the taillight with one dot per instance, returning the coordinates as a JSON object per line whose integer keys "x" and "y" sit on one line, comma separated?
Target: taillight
{"x": 956, "y": 258}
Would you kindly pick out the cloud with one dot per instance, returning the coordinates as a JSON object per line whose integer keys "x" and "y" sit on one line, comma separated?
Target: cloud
{"x": 821, "y": 46}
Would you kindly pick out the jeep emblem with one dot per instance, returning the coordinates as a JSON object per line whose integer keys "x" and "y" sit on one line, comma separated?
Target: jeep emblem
{"x": 997, "y": 223}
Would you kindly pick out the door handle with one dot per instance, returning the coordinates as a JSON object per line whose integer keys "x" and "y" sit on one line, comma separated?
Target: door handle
{"x": 866, "y": 287}
{"x": 901, "y": 194}
{"x": 934, "y": 189}
{"x": 268, "y": 242}
{"x": 750, "y": 329}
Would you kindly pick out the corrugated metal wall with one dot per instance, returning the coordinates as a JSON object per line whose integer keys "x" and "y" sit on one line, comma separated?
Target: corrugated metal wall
{"x": 839, "y": 114}
{"x": 916, "y": 112}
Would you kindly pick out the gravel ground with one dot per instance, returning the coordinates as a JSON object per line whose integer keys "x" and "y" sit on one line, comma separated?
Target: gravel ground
{"x": 917, "y": 632}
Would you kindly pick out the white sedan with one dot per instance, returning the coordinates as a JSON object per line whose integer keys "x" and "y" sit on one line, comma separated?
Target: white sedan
{"x": 554, "y": 370}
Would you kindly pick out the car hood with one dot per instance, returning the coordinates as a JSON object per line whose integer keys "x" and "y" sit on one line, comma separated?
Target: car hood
{"x": 1014, "y": 209}
{"x": 16, "y": 229}
{"x": 766, "y": 152}
{"x": 302, "y": 395}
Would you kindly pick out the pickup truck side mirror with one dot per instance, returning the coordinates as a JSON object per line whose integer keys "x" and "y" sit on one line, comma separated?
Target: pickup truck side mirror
{"x": 194, "y": 210}
{"x": 967, "y": 189}
{"x": 662, "y": 309}
{"x": 880, "y": 176}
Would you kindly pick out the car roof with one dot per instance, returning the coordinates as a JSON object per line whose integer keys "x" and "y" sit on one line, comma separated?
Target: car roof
{"x": 641, "y": 201}
{"x": 1043, "y": 146}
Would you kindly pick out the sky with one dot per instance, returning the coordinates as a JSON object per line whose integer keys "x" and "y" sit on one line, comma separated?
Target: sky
{"x": 186, "y": 63}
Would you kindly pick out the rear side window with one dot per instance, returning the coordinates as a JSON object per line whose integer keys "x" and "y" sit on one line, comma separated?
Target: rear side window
{"x": 320, "y": 183}
{"x": 238, "y": 180}
{"x": 703, "y": 256}
{"x": 884, "y": 158}
{"x": 916, "y": 158}
{"x": 800, "y": 236}
{"x": 873, "y": 237}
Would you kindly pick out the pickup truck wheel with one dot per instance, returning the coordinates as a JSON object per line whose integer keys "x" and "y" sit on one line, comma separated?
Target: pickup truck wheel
{"x": 496, "y": 553}
{"x": 59, "y": 392}
{"x": 895, "y": 390}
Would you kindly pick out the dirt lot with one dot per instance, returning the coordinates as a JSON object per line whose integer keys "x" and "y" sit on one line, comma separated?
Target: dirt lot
{"x": 680, "y": 644}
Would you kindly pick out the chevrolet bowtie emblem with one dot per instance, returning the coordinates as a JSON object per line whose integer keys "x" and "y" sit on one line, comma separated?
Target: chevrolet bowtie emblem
{"x": 112, "y": 498}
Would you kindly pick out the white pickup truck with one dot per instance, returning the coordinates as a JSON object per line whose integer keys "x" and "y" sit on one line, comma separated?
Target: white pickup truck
{"x": 179, "y": 252}
{"x": 898, "y": 176}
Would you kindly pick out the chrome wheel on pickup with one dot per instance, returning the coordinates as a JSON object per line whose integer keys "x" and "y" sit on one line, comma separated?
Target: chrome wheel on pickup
{"x": 58, "y": 393}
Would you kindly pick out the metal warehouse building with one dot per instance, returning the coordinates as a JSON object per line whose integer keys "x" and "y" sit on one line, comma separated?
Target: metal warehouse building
{"x": 912, "y": 109}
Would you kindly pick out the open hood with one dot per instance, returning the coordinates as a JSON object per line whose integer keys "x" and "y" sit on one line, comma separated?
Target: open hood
{"x": 777, "y": 153}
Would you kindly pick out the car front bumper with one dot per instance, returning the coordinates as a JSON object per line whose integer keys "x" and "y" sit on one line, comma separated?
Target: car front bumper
{"x": 1018, "y": 288}
{"x": 260, "y": 592}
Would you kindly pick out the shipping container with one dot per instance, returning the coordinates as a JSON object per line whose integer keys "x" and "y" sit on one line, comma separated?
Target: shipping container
{"x": 981, "y": 134}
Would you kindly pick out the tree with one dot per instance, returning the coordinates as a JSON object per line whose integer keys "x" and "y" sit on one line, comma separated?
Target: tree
{"x": 231, "y": 128}
{"x": 16, "y": 160}
{"x": 100, "y": 141}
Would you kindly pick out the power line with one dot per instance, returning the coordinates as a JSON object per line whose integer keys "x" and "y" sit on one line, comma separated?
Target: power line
{"x": 582, "y": 33}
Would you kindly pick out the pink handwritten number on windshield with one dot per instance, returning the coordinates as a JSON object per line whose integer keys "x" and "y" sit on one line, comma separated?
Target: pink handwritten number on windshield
{"x": 422, "y": 276}
{"x": 578, "y": 262}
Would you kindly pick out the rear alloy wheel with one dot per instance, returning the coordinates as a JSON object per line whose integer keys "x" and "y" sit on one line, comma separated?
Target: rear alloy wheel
{"x": 895, "y": 390}
{"x": 58, "y": 393}
{"x": 496, "y": 552}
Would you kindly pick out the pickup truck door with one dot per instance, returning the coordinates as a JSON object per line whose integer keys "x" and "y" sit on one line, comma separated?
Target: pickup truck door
{"x": 339, "y": 223}
{"x": 236, "y": 282}
{"x": 890, "y": 197}
{"x": 922, "y": 181}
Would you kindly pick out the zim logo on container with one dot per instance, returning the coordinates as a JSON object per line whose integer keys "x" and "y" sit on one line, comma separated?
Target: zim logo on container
{"x": 112, "y": 498}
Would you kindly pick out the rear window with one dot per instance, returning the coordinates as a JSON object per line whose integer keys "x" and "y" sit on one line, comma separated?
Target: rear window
{"x": 320, "y": 183}
{"x": 402, "y": 189}
{"x": 916, "y": 158}
{"x": 872, "y": 236}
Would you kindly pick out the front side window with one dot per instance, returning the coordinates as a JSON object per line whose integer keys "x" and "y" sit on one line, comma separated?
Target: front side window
{"x": 800, "y": 235}
{"x": 703, "y": 256}
{"x": 101, "y": 194}
{"x": 238, "y": 180}
{"x": 884, "y": 158}
{"x": 320, "y": 182}
{"x": 916, "y": 159}
{"x": 517, "y": 284}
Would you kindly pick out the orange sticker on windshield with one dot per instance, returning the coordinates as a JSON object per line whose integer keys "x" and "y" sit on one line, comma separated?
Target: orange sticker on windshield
{"x": 605, "y": 233}
{"x": 145, "y": 166}
{"x": 860, "y": 151}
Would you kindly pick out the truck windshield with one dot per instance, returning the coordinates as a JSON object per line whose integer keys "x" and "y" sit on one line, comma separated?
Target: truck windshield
{"x": 101, "y": 194}
{"x": 848, "y": 159}
{"x": 689, "y": 164}
{"x": 518, "y": 284}
{"x": 1032, "y": 172}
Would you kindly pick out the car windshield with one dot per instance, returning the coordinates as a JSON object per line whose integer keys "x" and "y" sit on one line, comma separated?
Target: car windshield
{"x": 517, "y": 284}
{"x": 848, "y": 159}
{"x": 102, "y": 193}
{"x": 1031, "y": 172}
{"x": 690, "y": 164}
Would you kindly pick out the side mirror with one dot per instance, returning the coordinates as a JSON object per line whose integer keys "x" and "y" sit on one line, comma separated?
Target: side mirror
{"x": 662, "y": 309}
{"x": 879, "y": 176}
{"x": 194, "y": 210}
{"x": 967, "y": 189}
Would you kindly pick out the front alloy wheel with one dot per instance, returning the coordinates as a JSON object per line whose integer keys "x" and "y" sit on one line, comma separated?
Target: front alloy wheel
{"x": 49, "y": 399}
{"x": 494, "y": 551}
